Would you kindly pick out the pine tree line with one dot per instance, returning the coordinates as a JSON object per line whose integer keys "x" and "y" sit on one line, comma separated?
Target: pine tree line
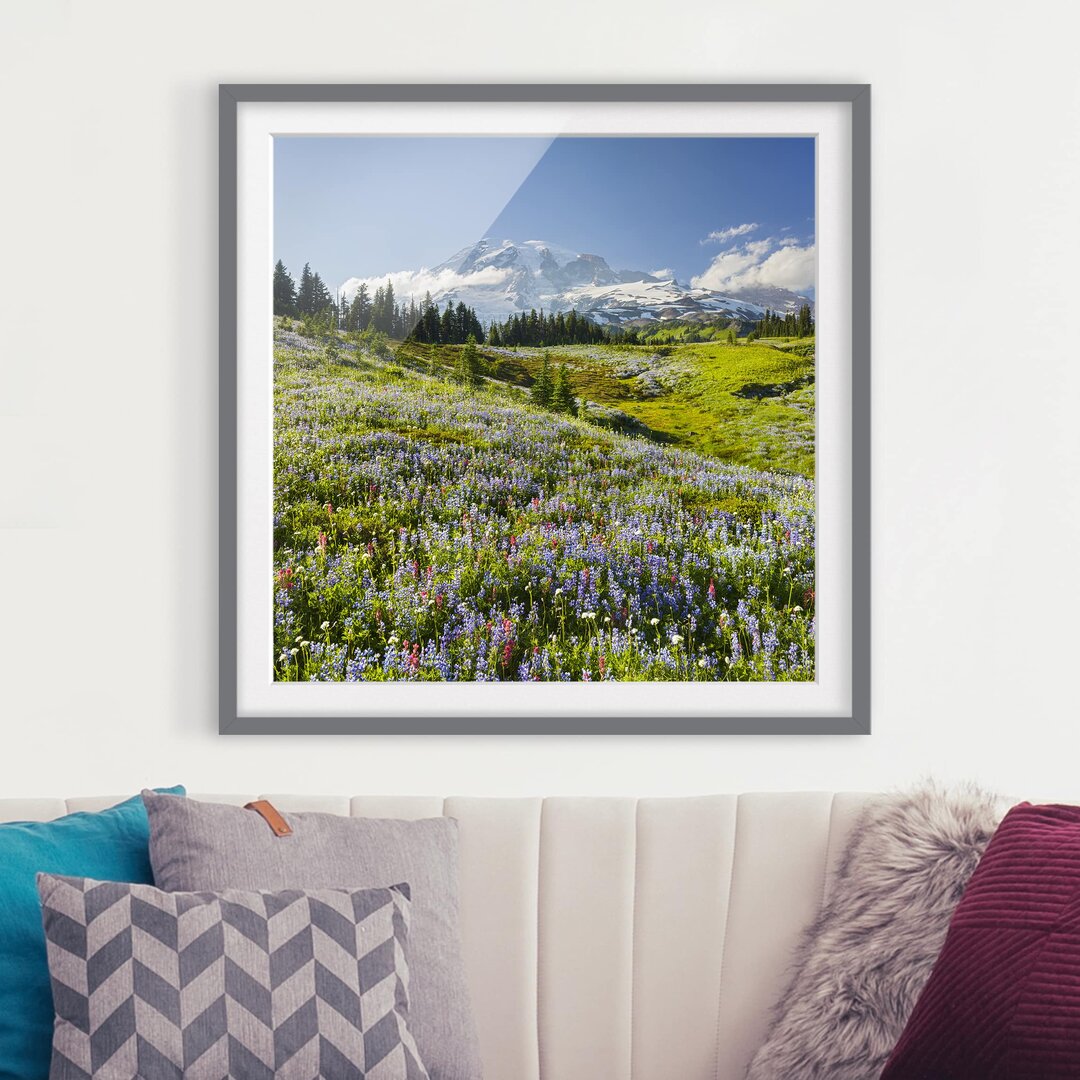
{"x": 540, "y": 329}
{"x": 792, "y": 324}
{"x": 453, "y": 326}
{"x": 421, "y": 322}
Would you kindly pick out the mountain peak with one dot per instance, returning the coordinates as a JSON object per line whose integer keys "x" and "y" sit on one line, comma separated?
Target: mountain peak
{"x": 498, "y": 277}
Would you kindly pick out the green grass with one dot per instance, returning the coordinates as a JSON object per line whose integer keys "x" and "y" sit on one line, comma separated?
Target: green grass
{"x": 748, "y": 404}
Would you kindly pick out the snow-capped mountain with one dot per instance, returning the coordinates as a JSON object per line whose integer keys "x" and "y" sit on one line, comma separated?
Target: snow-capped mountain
{"x": 501, "y": 277}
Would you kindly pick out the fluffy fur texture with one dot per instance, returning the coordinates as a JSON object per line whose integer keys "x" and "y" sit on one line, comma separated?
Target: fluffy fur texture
{"x": 860, "y": 967}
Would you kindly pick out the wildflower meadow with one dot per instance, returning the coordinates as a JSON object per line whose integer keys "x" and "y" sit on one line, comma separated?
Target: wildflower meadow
{"x": 425, "y": 530}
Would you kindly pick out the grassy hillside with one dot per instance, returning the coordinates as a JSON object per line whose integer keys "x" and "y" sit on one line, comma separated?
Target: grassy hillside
{"x": 750, "y": 404}
{"x": 423, "y": 530}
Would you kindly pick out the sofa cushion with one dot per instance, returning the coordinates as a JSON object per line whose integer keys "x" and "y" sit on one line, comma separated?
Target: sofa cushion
{"x": 205, "y": 846}
{"x": 861, "y": 965}
{"x": 197, "y": 986}
{"x": 1004, "y": 997}
{"x": 112, "y": 845}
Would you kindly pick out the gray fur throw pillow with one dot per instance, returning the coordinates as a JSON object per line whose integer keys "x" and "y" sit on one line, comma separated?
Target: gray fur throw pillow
{"x": 860, "y": 967}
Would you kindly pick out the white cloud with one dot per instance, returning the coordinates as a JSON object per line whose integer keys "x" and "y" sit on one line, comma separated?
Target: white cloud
{"x": 664, "y": 272}
{"x": 722, "y": 236}
{"x": 784, "y": 263}
{"x": 415, "y": 283}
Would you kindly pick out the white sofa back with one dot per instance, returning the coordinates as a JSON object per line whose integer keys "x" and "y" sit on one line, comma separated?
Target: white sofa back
{"x": 616, "y": 939}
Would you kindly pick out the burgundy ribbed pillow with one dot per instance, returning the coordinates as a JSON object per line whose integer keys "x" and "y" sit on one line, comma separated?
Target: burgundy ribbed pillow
{"x": 1003, "y": 1001}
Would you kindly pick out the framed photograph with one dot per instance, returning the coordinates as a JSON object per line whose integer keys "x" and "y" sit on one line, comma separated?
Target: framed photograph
{"x": 545, "y": 409}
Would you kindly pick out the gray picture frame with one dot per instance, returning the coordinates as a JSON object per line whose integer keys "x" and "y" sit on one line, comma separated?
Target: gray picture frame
{"x": 232, "y": 96}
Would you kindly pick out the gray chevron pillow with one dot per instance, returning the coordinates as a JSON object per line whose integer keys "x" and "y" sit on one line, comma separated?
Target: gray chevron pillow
{"x": 255, "y": 985}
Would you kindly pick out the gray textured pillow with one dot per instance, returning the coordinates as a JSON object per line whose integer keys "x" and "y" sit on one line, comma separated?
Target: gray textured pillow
{"x": 198, "y": 986}
{"x": 197, "y": 845}
{"x": 860, "y": 967}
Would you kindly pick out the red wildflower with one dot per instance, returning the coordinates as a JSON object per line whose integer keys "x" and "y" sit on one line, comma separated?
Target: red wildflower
{"x": 285, "y": 577}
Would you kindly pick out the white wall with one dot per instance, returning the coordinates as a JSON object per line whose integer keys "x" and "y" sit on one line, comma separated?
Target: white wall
{"x": 108, "y": 567}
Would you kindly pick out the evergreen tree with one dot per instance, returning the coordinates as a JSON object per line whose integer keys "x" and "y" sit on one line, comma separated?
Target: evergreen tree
{"x": 321, "y": 298}
{"x": 562, "y": 397}
{"x": 305, "y": 295}
{"x": 542, "y": 387}
{"x": 284, "y": 291}
{"x": 378, "y": 307}
{"x": 448, "y": 330}
{"x": 469, "y": 363}
{"x": 386, "y": 315}
{"x": 363, "y": 316}
{"x": 360, "y": 310}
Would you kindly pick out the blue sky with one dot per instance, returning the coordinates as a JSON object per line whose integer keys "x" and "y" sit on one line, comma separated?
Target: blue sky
{"x": 716, "y": 211}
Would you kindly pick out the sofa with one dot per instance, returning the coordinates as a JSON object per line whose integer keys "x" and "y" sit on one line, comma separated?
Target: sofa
{"x": 616, "y": 938}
